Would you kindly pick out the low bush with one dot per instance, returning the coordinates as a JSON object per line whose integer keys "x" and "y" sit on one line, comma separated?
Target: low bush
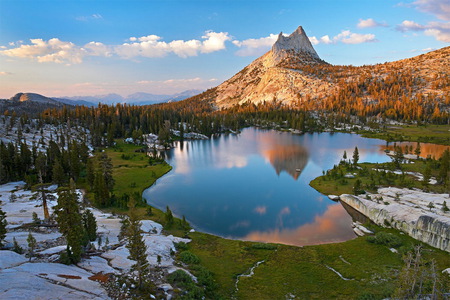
{"x": 385, "y": 238}
{"x": 189, "y": 258}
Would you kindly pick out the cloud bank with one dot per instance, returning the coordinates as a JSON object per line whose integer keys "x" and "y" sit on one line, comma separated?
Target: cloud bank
{"x": 153, "y": 46}
{"x": 439, "y": 30}
{"x": 346, "y": 37}
{"x": 57, "y": 51}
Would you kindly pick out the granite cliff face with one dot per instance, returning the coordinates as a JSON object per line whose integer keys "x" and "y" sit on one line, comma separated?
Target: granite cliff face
{"x": 273, "y": 75}
{"x": 297, "y": 44}
{"x": 407, "y": 211}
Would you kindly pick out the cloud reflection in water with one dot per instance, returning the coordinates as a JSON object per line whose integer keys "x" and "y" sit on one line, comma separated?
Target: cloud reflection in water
{"x": 326, "y": 228}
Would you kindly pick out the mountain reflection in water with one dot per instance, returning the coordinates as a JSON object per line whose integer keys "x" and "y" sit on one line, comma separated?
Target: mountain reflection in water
{"x": 292, "y": 159}
{"x": 247, "y": 186}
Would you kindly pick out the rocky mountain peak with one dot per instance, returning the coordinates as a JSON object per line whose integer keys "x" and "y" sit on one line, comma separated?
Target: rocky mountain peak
{"x": 296, "y": 43}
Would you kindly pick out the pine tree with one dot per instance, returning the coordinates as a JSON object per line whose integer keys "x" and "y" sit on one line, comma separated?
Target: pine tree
{"x": 444, "y": 167}
{"x": 41, "y": 192}
{"x": 16, "y": 247}
{"x": 426, "y": 175}
{"x": 169, "y": 217}
{"x": 3, "y": 224}
{"x": 31, "y": 245}
{"x": 137, "y": 247}
{"x": 417, "y": 151}
{"x": 90, "y": 225}
{"x": 58, "y": 175}
{"x": 105, "y": 166}
{"x": 355, "y": 156}
{"x": 90, "y": 173}
{"x": 69, "y": 221}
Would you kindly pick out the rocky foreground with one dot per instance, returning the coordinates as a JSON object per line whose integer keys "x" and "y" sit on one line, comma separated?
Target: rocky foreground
{"x": 43, "y": 277}
{"x": 421, "y": 215}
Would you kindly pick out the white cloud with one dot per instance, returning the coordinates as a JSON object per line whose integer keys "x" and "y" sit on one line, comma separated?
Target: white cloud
{"x": 346, "y": 37}
{"x": 215, "y": 41}
{"x": 153, "y": 46}
{"x": 98, "y": 49}
{"x": 57, "y": 51}
{"x": 439, "y": 30}
{"x": 370, "y": 23}
{"x": 5, "y": 73}
{"x": 440, "y": 8}
{"x": 408, "y": 25}
{"x": 148, "y": 38}
{"x": 326, "y": 40}
{"x": 255, "y": 47}
{"x": 53, "y": 50}
{"x": 313, "y": 40}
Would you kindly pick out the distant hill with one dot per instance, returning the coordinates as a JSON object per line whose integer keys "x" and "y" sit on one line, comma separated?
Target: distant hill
{"x": 139, "y": 98}
{"x": 28, "y": 103}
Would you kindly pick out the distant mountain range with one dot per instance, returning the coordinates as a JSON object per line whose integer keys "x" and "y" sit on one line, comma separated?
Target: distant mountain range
{"x": 136, "y": 98}
{"x": 32, "y": 103}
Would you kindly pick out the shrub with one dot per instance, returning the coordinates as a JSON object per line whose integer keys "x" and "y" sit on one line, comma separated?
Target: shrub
{"x": 387, "y": 239}
{"x": 180, "y": 277}
{"x": 263, "y": 246}
{"x": 181, "y": 246}
{"x": 189, "y": 258}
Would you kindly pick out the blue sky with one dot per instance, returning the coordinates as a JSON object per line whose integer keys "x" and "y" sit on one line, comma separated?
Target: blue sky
{"x": 68, "y": 48}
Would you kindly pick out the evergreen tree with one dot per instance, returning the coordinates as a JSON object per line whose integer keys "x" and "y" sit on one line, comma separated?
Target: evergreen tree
{"x": 445, "y": 207}
{"x": 90, "y": 225}
{"x": 101, "y": 192}
{"x": 3, "y": 224}
{"x": 16, "y": 247}
{"x": 58, "y": 175}
{"x": 357, "y": 187}
{"x": 169, "y": 217}
{"x": 398, "y": 157}
{"x": 136, "y": 246}
{"x": 164, "y": 134}
{"x": 105, "y": 167}
{"x": 41, "y": 192}
{"x": 90, "y": 173}
{"x": 426, "y": 175}
{"x": 355, "y": 156}
{"x": 444, "y": 167}
{"x": 69, "y": 221}
{"x": 31, "y": 245}
{"x": 417, "y": 151}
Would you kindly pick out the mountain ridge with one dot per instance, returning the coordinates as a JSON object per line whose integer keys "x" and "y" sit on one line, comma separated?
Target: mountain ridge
{"x": 292, "y": 74}
{"x": 138, "y": 98}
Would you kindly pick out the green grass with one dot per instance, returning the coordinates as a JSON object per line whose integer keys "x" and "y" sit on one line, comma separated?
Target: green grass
{"x": 226, "y": 258}
{"x": 302, "y": 271}
{"x": 133, "y": 174}
{"x": 437, "y": 134}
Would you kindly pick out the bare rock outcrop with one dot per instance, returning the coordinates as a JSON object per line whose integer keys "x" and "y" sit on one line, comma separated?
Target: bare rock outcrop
{"x": 408, "y": 211}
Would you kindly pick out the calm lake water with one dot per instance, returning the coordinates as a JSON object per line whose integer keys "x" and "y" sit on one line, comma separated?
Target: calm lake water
{"x": 255, "y": 185}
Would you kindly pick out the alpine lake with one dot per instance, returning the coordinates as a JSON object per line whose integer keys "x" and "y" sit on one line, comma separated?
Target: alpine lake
{"x": 255, "y": 185}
